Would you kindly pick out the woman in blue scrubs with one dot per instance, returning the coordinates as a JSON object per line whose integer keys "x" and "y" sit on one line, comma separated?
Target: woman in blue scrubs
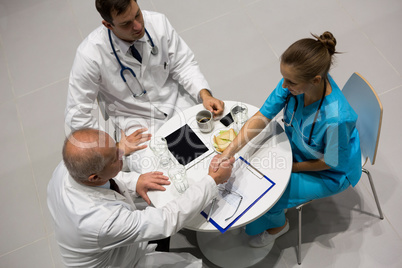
{"x": 320, "y": 125}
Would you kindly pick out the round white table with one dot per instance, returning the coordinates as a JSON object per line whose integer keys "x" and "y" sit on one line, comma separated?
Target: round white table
{"x": 272, "y": 156}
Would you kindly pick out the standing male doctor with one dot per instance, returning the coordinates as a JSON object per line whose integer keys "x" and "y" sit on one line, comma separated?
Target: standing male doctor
{"x": 158, "y": 61}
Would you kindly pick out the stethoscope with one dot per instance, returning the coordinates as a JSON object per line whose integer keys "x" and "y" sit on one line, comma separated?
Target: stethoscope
{"x": 295, "y": 108}
{"x": 154, "y": 51}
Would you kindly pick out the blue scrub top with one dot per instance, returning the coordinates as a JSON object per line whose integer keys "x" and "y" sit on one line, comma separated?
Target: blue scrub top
{"x": 335, "y": 138}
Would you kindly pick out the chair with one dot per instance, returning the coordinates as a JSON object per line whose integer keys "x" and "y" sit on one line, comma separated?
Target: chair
{"x": 365, "y": 102}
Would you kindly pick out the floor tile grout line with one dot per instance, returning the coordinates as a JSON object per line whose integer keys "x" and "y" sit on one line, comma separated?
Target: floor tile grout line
{"x": 24, "y": 246}
{"x": 373, "y": 44}
{"x": 209, "y": 20}
{"x": 260, "y": 31}
{"x": 10, "y": 78}
{"x": 75, "y": 18}
{"x": 15, "y": 96}
{"x": 50, "y": 249}
{"x": 369, "y": 192}
{"x": 381, "y": 53}
{"x": 358, "y": 26}
{"x": 290, "y": 264}
{"x": 389, "y": 90}
{"x": 232, "y": 11}
{"x": 32, "y": 169}
{"x": 41, "y": 88}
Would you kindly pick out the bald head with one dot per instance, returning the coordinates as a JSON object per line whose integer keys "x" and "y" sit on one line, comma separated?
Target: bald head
{"x": 84, "y": 140}
{"x": 86, "y": 152}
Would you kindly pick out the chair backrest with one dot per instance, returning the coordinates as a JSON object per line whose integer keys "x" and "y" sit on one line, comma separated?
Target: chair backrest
{"x": 366, "y": 103}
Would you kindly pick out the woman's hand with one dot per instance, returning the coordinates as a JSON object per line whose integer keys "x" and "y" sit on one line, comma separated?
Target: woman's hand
{"x": 225, "y": 169}
{"x": 217, "y": 161}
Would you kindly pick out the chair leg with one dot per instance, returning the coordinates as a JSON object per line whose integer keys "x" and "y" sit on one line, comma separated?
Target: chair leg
{"x": 299, "y": 209}
{"x": 374, "y": 192}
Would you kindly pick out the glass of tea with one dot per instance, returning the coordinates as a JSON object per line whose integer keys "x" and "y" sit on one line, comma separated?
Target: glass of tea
{"x": 205, "y": 121}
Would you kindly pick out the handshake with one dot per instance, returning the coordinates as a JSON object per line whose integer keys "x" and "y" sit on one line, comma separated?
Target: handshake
{"x": 220, "y": 168}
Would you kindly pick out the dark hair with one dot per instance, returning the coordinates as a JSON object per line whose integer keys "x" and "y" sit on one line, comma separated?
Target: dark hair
{"x": 106, "y": 7}
{"x": 82, "y": 165}
{"x": 311, "y": 57}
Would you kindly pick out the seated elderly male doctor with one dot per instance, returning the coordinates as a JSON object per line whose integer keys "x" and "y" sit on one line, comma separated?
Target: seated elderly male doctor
{"x": 136, "y": 61}
{"x": 96, "y": 221}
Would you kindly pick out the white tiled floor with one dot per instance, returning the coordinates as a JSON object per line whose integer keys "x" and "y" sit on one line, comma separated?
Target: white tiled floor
{"x": 237, "y": 44}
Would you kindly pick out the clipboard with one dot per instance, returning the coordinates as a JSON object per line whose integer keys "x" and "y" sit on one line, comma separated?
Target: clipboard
{"x": 245, "y": 187}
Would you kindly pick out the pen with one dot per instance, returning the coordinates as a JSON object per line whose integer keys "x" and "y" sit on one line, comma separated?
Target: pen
{"x": 210, "y": 210}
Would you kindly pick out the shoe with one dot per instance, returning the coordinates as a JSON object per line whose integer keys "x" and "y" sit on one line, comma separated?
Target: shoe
{"x": 263, "y": 239}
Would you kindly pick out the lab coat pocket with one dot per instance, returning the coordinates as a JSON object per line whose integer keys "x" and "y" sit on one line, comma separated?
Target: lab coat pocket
{"x": 159, "y": 74}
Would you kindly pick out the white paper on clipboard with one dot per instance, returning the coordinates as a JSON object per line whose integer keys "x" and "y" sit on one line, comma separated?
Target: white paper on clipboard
{"x": 238, "y": 194}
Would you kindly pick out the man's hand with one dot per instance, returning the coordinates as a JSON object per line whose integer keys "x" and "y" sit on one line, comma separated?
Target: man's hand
{"x": 151, "y": 181}
{"x": 220, "y": 158}
{"x": 130, "y": 144}
{"x": 213, "y": 105}
{"x": 225, "y": 169}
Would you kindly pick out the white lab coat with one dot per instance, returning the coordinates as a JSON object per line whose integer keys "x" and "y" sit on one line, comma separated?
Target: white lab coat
{"x": 97, "y": 227}
{"x": 96, "y": 70}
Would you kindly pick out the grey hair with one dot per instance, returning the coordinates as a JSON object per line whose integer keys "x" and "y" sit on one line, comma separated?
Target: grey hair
{"x": 82, "y": 165}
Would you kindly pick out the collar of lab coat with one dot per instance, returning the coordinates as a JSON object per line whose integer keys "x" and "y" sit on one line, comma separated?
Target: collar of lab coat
{"x": 124, "y": 46}
{"x": 97, "y": 192}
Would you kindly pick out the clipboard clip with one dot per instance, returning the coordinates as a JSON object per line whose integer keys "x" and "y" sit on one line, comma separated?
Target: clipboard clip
{"x": 253, "y": 169}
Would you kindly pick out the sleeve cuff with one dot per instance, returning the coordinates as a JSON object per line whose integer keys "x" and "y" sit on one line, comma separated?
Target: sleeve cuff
{"x": 130, "y": 179}
{"x": 211, "y": 183}
{"x": 199, "y": 97}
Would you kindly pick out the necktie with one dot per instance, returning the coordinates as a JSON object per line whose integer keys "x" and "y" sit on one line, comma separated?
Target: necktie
{"x": 114, "y": 186}
{"x": 135, "y": 53}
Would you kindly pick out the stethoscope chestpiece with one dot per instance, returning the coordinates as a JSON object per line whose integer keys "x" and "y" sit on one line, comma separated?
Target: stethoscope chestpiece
{"x": 140, "y": 95}
{"x": 154, "y": 50}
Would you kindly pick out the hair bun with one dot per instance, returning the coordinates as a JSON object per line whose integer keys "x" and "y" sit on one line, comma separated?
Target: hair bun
{"x": 329, "y": 41}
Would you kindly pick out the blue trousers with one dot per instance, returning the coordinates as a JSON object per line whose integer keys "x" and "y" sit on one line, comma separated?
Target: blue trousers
{"x": 302, "y": 187}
